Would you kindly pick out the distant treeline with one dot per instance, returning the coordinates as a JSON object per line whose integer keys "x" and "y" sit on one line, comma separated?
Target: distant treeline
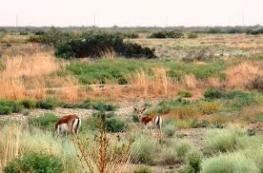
{"x": 257, "y": 29}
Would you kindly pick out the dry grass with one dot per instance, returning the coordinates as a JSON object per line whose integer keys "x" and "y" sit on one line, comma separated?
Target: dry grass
{"x": 10, "y": 147}
{"x": 241, "y": 75}
{"x": 22, "y": 74}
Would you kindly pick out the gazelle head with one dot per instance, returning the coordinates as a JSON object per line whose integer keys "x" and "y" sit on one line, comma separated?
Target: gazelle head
{"x": 139, "y": 112}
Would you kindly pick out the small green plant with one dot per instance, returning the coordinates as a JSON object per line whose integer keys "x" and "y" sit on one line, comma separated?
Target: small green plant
{"x": 35, "y": 163}
{"x": 46, "y": 120}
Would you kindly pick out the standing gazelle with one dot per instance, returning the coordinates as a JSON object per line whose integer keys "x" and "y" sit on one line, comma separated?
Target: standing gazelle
{"x": 69, "y": 124}
{"x": 156, "y": 121}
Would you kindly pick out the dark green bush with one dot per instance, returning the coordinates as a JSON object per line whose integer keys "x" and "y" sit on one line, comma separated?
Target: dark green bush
{"x": 255, "y": 31}
{"x": 5, "y": 110}
{"x": 9, "y": 106}
{"x": 48, "y": 103}
{"x": 96, "y": 44}
{"x": 35, "y": 163}
{"x": 213, "y": 94}
{"x": 28, "y": 103}
{"x": 88, "y": 104}
{"x": 47, "y": 120}
{"x": 115, "y": 125}
{"x": 167, "y": 34}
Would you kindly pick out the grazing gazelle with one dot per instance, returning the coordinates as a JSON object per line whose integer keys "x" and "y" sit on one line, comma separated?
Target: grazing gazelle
{"x": 69, "y": 124}
{"x": 156, "y": 121}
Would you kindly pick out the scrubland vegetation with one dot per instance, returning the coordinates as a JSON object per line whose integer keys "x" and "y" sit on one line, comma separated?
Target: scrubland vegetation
{"x": 206, "y": 83}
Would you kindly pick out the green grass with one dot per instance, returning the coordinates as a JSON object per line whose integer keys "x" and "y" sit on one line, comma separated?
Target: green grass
{"x": 119, "y": 70}
{"x": 45, "y": 121}
{"x": 229, "y": 163}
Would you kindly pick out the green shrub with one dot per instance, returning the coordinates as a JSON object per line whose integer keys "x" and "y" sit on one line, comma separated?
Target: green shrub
{"x": 9, "y": 106}
{"x": 166, "y": 34}
{"x": 28, "y": 103}
{"x": 143, "y": 149}
{"x": 229, "y": 163}
{"x": 143, "y": 169}
{"x": 96, "y": 44}
{"x": 115, "y": 124}
{"x": 213, "y": 94}
{"x": 169, "y": 157}
{"x": 46, "y": 120}
{"x": 169, "y": 129}
{"x": 194, "y": 159}
{"x": 5, "y": 110}
{"x": 35, "y": 163}
{"x": 48, "y": 103}
{"x": 222, "y": 141}
{"x": 182, "y": 148}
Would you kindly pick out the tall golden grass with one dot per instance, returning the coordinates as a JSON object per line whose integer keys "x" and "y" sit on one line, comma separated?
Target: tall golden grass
{"x": 23, "y": 73}
{"x": 10, "y": 147}
{"x": 239, "y": 76}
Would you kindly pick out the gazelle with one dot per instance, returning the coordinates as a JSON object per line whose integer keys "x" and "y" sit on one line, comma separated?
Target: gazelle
{"x": 69, "y": 124}
{"x": 156, "y": 121}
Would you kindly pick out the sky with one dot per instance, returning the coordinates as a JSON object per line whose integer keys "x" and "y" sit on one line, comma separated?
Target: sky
{"x": 108, "y": 13}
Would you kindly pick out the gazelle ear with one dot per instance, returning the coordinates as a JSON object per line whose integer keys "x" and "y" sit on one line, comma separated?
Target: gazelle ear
{"x": 135, "y": 109}
{"x": 143, "y": 109}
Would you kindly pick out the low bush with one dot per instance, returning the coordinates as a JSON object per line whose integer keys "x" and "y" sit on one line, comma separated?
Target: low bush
{"x": 96, "y": 44}
{"x": 45, "y": 121}
{"x": 48, "y": 103}
{"x": 9, "y": 106}
{"x": 29, "y": 103}
{"x": 213, "y": 94}
{"x": 169, "y": 157}
{"x": 35, "y": 163}
{"x": 223, "y": 141}
{"x": 182, "y": 148}
{"x": 169, "y": 129}
{"x": 144, "y": 149}
{"x": 167, "y": 34}
{"x": 143, "y": 169}
{"x": 194, "y": 159}
{"x": 229, "y": 163}
{"x": 115, "y": 124}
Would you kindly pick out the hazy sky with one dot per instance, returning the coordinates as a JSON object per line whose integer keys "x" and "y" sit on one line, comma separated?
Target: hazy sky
{"x": 131, "y": 12}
